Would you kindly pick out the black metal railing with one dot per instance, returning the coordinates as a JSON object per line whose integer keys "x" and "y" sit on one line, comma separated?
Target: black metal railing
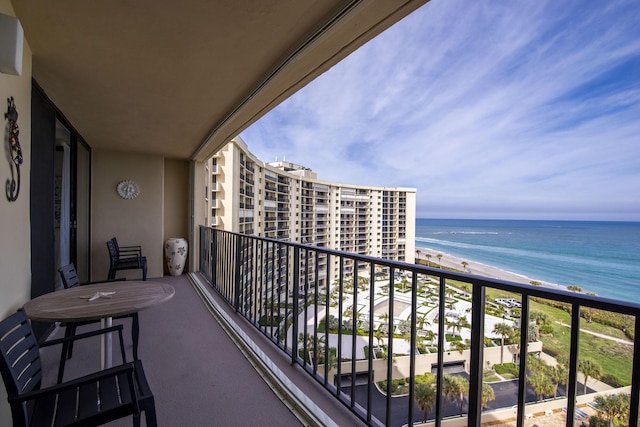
{"x": 366, "y": 327}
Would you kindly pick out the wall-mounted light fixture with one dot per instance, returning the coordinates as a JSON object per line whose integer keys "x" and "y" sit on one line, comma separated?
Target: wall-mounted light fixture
{"x": 11, "y": 41}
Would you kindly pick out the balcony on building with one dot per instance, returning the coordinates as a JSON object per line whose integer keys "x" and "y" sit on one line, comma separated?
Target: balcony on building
{"x": 156, "y": 99}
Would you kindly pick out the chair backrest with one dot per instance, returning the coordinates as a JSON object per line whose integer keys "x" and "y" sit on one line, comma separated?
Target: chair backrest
{"x": 69, "y": 276}
{"x": 113, "y": 251}
{"x": 115, "y": 243}
{"x": 19, "y": 355}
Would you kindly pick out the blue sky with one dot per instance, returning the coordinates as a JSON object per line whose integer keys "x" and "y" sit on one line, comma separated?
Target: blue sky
{"x": 491, "y": 109}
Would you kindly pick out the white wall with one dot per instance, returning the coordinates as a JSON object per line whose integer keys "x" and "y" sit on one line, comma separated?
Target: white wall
{"x": 15, "y": 229}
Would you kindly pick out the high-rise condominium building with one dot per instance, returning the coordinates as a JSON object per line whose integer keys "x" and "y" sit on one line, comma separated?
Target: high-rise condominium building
{"x": 285, "y": 201}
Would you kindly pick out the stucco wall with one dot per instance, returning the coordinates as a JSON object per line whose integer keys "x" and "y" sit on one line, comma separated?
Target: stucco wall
{"x": 15, "y": 229}
{"x": 138, "y": 221}
{"x": 176, "y": 202}
{"x": 15, "y": 250}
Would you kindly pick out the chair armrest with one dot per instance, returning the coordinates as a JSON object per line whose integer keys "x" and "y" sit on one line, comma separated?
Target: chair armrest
{"x": 65, "y": 340}
{"x": 130, "y": 249}
{"x": 127, "y": 368}
{"x": 136, "y": 247}
{"x": 116, "y": 328}
{"x": 133, "y": 253}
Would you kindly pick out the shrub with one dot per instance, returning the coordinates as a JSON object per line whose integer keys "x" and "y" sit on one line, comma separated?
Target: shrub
{"x": 596, "y": 421}
{"x": 546, "y": 329}
{"x": 506, "y": 368}
{"x": 612, "y": 380}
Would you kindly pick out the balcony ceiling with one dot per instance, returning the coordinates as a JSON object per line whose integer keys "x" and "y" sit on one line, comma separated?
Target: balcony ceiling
{"x": 182, "y": 78}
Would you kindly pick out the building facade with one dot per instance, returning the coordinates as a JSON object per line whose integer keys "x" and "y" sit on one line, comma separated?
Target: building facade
{"x": 284, "y": 201}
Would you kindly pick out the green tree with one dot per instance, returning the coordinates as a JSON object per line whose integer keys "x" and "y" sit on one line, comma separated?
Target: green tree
{"x": 465, "y": 264}
{"x": 404, "y": 283}
{"x": 559, "y": 374}
{"x": 455, "y": 388}
{"x": 574, "y": 288}
{"x": 439, "y": 256}
{"x": 487, "y": 394}
{"x": 428, "y": 256}
{"x": 541, "y": 384}
{"x": 425, "y": 396}
{"x": 540, "y": 317}
{"x": 614, "y": 407}
{"x": 589, "y": 369}
{"x": 378, "y": 336}
{"x": 535, "y": 364}
{"x": 449, "y": 388}
{"x": 504, "y": 330}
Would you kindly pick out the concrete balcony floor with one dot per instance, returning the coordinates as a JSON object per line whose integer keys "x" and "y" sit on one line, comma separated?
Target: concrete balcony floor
{"x": 200, "y": 377}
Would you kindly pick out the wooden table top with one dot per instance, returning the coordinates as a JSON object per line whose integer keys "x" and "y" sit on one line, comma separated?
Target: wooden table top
{"x": 73, "y": 304}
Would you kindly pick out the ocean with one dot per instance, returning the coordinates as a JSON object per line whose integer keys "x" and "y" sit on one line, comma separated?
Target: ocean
{"x": 600, "y": 257}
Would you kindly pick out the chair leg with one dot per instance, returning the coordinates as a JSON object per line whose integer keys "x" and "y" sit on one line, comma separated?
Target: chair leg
{"x": 66, "y": 350}
{"x": 150, "y": 416}
{"x": 144, "y": 271}
{"x": 135, "y": 334}
{"x": 69, "y": 332}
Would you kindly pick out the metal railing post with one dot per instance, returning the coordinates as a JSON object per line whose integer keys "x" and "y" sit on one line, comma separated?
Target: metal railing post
{"x": 524, "y": 347}
{"x": 635, "y": 377}
{"x": 477, "y": 346}
{"x": 572, "y": 386}
{"x": 238, "y": 265}
{"x": 296, "y": 310}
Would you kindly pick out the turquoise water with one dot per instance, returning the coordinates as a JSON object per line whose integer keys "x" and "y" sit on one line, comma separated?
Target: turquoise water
{"x": 600, "y": 257}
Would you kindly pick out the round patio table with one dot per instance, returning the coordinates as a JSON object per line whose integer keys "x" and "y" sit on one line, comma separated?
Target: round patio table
{"x": 98, "y": 302}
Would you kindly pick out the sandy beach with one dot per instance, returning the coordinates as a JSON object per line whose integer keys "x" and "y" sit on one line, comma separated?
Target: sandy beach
{"x": 473, "y": 267}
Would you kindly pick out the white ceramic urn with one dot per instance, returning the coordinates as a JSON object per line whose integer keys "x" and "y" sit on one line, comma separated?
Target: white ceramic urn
{"x": 175, "y": 252}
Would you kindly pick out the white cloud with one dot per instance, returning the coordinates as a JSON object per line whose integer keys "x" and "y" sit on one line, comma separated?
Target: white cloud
{"x": 510, "y": 109}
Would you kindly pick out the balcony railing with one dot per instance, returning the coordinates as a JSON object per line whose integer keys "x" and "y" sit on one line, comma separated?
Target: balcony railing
{"x": 394, "y": 325}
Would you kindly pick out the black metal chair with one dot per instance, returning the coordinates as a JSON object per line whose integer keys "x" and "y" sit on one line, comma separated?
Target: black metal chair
{"x": 90, "y": 400}
{"x": 70, "y": 279}
{"x": 125, "y": 258}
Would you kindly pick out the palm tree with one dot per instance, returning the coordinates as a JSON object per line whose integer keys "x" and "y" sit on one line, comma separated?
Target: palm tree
{"x": 431, "y": 336}
{"x": 422, "y": 321}
{"x": 540, "y": 317}
{"x": 487, "y": 394}
{"x": 378, "y": 335}
{"x": 541, "y": 384}
{"x": 449, "y": 387}
{"x": 465, "y": 264}
{"x": 456, "y": 326}
{"x": 425, "y": 396}
{"x": 428, "y": 256}
{"x": 439, "y": 256}
{"x": 589, "y": 369}
{"x": 559, "y": 374}
{"x": 613, "y": 406}
{"x": 404, "y": 282}
{"x": 504, "y": 330}
{"x": 418, "y": 251}
{"x": 461, "y": 389}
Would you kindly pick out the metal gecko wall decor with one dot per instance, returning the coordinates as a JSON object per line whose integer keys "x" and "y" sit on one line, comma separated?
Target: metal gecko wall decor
{"x": 13, "y": 185}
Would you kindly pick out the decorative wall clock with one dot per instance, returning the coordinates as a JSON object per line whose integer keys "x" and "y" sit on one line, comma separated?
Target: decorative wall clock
{"x": 128, "y": 189}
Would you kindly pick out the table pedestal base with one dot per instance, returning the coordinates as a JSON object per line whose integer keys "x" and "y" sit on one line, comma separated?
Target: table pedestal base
{"x": 106, "y": 358}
